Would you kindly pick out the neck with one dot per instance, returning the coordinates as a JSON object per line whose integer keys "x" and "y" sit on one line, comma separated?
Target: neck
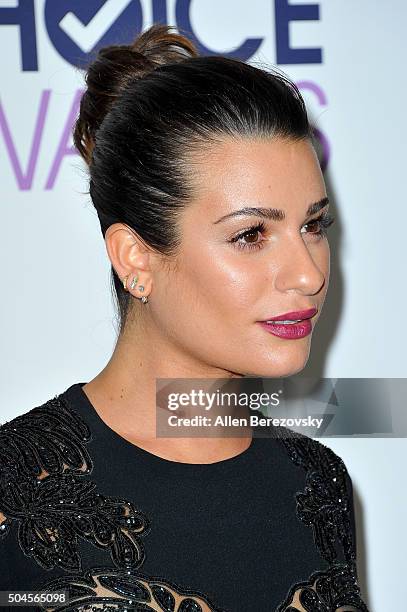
{"x": 124, "y": 394}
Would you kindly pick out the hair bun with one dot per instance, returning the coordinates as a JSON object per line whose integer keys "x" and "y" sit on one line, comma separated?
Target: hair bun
{"x": 114, "y": 67}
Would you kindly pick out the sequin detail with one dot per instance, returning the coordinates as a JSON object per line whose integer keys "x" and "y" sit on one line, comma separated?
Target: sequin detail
{"x": 49, "y": 438}
{"x": 107, "y": 589}
{"x": 324, "y": 505}
{"x": 45, "y": 491}
{"x": 334, "y": 590}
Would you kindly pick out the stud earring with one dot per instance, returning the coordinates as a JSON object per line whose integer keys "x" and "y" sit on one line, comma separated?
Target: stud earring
{"x": 134, "y": 281}
{"x": 144, "y": 298}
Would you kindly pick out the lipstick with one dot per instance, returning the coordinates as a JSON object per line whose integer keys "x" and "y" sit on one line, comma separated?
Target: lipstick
{"x": 290, "y": 325}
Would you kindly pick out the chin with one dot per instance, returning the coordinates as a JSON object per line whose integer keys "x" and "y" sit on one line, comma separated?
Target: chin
{"x": 281, "y": 368}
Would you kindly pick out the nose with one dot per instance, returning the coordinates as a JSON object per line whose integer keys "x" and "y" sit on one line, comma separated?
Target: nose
{"x": 301, "y": 268}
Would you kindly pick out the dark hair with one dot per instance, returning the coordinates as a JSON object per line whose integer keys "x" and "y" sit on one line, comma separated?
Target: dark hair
{"x": 148, "y": 106}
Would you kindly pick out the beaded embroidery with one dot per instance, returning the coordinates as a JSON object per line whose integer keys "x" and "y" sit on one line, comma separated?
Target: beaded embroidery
{"x": 44, "y": 465}
{"x": 324, "y": 506}
{"x": 324, "y": 503}
{"x": 104, "y": 588}
{"x": 326, "y": 591}
{"x": 44, "y": 491}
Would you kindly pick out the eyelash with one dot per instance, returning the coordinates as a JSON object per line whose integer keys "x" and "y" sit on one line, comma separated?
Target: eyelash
{"x": 325, "y": 220}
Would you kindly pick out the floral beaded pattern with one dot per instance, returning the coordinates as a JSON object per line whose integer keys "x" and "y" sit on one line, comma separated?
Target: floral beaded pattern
{"x": 46, "y": 491}
{"x": 326, "y": 591}
{"x": 324, "y": 505}
{"x": 46, "y": 440}
{"x": 53, "y": 512}
{"x": 107, "y": 589}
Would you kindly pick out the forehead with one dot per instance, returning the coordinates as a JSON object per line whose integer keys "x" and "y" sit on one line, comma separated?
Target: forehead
{"x": 269, "y": 172}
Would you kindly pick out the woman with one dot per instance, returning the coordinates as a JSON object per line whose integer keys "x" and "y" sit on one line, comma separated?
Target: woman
{"x": 214, "y": 213}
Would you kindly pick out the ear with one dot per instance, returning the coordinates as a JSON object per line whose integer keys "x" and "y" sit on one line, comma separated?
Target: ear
{"x": 129, "y": 256}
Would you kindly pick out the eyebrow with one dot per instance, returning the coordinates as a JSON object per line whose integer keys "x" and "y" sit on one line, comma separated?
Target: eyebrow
{"x": 276, "y": 214}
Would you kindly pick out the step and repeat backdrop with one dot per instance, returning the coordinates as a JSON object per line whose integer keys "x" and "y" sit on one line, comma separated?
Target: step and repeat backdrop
{"x": 57, "y": 312}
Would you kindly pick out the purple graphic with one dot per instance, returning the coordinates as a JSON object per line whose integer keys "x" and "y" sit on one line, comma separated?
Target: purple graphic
{"x": 322, "y": 101}
{"x": 25, "y": 179}
{"x": 64, "y": 148}
{"x": 77, "y": 29}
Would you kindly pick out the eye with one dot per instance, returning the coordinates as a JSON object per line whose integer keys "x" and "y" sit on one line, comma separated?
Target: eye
{"x": 249, "y": 238}
{"x": 319, "y": 225}
{"x": 249, "y": 234}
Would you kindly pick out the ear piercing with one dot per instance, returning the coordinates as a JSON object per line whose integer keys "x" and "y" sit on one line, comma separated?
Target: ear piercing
{"x": 133, "y": 282}
{"x": 144, "y": 298}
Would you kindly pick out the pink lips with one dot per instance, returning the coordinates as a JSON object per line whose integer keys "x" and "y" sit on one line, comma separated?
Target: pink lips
{"x": 291, "y": 331}
{"x": 294, "y": 315}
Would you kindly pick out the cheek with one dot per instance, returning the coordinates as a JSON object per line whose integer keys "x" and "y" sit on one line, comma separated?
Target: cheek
{"x": 221, "y": 281}
{"x": 207, "y": 290}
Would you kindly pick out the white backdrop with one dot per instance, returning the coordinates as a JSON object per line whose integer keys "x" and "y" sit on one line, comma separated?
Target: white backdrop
{"x": 56, "y": 309}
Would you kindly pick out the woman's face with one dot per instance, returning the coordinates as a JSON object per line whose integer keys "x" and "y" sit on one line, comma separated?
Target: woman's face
{"x": 229, "y": 277}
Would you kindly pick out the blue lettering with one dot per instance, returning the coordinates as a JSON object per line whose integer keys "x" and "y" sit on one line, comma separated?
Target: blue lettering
{"x": 284, "y": 13}
{"x": 79, "y": 51}
{"x": 160, "y": 11}
{"x": 244, "y": 52}
{"x": 23, "y": 15}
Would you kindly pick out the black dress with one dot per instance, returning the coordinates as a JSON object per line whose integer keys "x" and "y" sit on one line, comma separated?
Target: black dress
{"x": 117, "y": 528}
